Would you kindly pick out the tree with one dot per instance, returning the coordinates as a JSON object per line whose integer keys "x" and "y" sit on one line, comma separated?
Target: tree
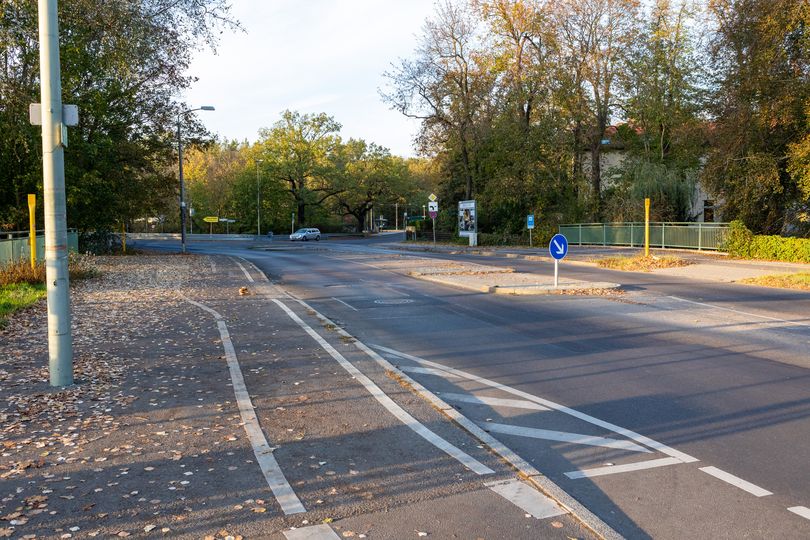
{"x": 371, "y": 176}
{"x": 447, "y": 88}
{"x": 761, "y": 55}
{"x": 123, "y": 66}
{"x": 299, "y": 152}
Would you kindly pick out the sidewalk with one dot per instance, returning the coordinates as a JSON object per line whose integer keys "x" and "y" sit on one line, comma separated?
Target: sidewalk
{"x": 709, "y": 266}
{"x": 204, "y": 412}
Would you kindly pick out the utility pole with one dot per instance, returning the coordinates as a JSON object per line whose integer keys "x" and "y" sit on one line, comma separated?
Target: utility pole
{"x": 182, "y": 188}
{"x": 396, "y": 216}
{"x": 258, "y": 202}
{"x": 54, "y": 140}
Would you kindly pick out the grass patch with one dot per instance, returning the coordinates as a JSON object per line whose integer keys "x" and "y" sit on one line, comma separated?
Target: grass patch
{"x": 640, "y": 263}
{"x": 787, "y": 281}
{"x": 18, "y": 296}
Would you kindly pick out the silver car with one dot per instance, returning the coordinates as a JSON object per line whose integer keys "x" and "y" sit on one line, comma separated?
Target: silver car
{"x": 306, "y": 234}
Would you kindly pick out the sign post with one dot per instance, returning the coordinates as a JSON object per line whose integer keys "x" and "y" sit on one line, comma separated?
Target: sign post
{"x": 530, "y": 226}
{"x": 558, "y": 248}
{"x": 32, "y": 222}
{"x": 647, "y": 227}
{"x": 433, "y": 210}
{"x": 211, "y": 220}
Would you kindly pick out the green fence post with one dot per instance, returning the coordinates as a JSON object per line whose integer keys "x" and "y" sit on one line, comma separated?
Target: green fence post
{"x": 580, "y": 234}
{"x": 663, "y": 227}
{"x": 604, "y": 234}
{"x": 700, "y": 236}
{"x": 631, "y": 234}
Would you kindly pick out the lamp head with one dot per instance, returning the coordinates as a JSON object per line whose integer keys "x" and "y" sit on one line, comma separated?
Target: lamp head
{"x": 207, "y": 108}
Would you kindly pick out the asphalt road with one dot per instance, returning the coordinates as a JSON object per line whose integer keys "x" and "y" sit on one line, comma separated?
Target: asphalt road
{"x": 677, "y": 410}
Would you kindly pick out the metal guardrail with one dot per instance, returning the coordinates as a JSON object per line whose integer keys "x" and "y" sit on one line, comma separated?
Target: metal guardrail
{"x": 14, "y": 245}
{"x": 683, "y": 235}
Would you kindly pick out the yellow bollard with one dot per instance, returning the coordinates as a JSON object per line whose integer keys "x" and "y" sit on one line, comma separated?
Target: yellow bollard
{"x": 647, "y": 227}
{"x": 32, "y": 222}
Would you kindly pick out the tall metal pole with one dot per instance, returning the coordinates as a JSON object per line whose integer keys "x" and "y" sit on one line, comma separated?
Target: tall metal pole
{"x": 396, "y": 216}
{"x": 258, "y": 202}
{"x": 60, "y": 342}
{"x": 182, "y": 187}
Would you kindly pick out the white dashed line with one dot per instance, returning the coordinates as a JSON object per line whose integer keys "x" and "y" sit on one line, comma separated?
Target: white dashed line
{"x": 735, "y": 481}
{"x": 344, "y": 303}
{"x": 739, "y": 312}
{"x": 428, "y": 371}
{"x": 573, "y": 438}
{"x": 527, "y": 498}
{"x": 286, "y": 497}
{"x": 247, "y": 274}
{"x": 615, "y": 469}
{"x": 492, "y": 401}
{"x": 802, "y": 511}
{"x": 314, "y": 532}
{"x": 641, "y": 439}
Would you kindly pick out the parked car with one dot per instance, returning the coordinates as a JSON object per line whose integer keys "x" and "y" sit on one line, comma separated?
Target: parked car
{"x": 306, "y": 234}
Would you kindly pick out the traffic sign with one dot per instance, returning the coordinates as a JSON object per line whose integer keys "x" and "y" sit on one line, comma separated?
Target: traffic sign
{"x": 211, "y": 219}
{"x": 530, "y": 221}
{"x": 558, "y": 247}
{"x": 433, "y": 197}
{"x": 433, "y": 209}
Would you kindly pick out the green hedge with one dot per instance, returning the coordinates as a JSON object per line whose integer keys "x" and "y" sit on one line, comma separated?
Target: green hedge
{"x": 742, "y": 243}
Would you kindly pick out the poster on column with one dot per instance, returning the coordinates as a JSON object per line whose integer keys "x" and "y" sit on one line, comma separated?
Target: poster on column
{"x": 467, "y": 218}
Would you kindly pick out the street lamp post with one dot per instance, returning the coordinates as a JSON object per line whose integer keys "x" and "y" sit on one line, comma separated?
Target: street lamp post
{"x": 180, "y": 116}
{"x": 258, "y": 202}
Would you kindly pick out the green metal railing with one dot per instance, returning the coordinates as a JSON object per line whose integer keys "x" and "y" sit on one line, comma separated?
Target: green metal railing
{"x": 662, "y": 235}
{"x": 14, "y": 245}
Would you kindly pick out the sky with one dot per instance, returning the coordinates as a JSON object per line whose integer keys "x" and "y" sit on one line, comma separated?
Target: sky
{"x": 310, "y": 56}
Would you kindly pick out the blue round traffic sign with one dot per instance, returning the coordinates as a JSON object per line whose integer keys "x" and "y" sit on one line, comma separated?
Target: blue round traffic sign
{"x": 558, "y": 247}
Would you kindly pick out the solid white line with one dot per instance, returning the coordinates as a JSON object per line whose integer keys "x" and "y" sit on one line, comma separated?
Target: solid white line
{"x": 467, "y": 460}
{"x": 247, "y": 275}
{"x": 526, "y": 498}
{"x": 615, "y": 469}
{"x": 344, "y": 303}
{"x": 286, "y": 497}
{"x": 739, "y": 312}
{"x": 641, "y": 439}
{"x": 802, "y": 511}
{"x": 736, "y": 481}
{"x": 428, "y": 371}
{"x": 526, "y": 469}
{"x": 574, "y": 438}
{"x": 492, "y": 401}
{"x": 314, "y": 532}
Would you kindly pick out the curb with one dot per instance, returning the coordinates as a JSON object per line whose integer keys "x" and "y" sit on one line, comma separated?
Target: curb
{"x": 517, "y": 290}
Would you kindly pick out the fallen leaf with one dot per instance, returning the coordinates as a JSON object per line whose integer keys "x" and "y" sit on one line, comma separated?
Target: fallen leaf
{"x": 556, "y": 524}
{"x": 149, "y": 528}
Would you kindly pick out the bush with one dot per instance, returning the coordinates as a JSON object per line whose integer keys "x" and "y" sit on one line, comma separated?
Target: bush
{"x": 20, "y": 271}
{"x": 742, "y": 243}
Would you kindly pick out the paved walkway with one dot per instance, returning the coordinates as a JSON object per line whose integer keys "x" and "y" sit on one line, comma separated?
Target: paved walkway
{"x": 210, "y": 404}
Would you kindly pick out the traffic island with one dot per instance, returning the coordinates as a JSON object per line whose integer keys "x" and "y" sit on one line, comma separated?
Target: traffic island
{"x": 498, "y": 280}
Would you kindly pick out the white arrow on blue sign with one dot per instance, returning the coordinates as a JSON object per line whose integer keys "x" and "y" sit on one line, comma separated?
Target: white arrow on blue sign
{"x": 558, "y": 247}
{"x": 530, "y": 221}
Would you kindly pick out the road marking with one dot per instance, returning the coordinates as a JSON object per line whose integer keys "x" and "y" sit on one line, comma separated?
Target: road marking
{"x": 739, "y": 312}
{"x": 531, "y": 474}
{"x": 641, "y": 439}
{"x": 286, "y": 497}
{"x": 615, "y": 469}
{"x": 736, "y": 481}
{"x": 247, "y": 274}
{"x": 465, "y": 459}
{"x": 562, "y": 436}
{"x": 802, "y": 511}
{"x": 344, "y": 303}
{"x": 526, "y": 498}
{"x": 314, "y": 532}
{"x": 492, "y": 401}
{"x": 428, "y": 371}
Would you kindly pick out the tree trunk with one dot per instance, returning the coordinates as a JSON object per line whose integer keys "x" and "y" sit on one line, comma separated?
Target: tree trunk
{"x": 465, "y": 159}
{"x": 596, "y": 176}
{"x": 301, "y": 218}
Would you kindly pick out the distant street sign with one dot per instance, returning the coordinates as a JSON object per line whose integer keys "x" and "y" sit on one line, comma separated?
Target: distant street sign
{"x": 433, "y": 197}
{"x": 433, "y": 209}
{"x": 558, "y": 247}
{"x": 530, "y": 221}
{"x": 211, "y": 219}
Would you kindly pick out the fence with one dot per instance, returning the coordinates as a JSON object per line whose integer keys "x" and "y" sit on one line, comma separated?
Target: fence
{"x": 662, "y": 235}
{"x": 14, "y": 245}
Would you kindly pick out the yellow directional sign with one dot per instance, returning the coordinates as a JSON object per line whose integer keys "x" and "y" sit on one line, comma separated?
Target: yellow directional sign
{"x": 211, "y": 219}
{"x": 432, "y": 197}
